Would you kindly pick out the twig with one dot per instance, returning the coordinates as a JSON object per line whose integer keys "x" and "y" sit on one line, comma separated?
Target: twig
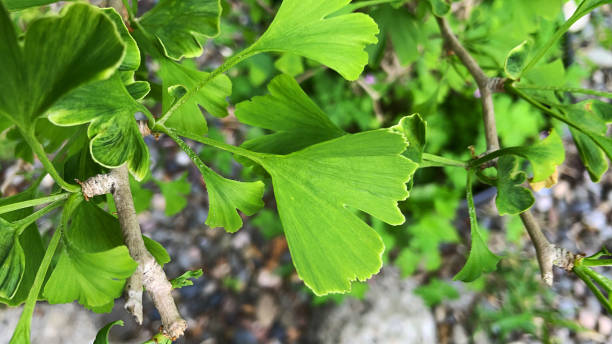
{"x": 547, "y": 253}
{"x": 148, "y": 274}
{"x": 482, "y": 80}
{"x": 375, "y": 96}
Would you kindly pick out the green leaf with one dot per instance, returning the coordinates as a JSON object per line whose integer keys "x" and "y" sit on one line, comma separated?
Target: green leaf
{"x": 436, "y": 291}
{"x": 516, "y": 60}
{"x": 511, "y": 197}
{"x": 440, "y": 7}
{"x": 593, "y": 116}
{"x": 182, "y": 26}
{"x": 225, "y": 196}
{"x": 15, "y": 5}
{"x": 212, "y": 96}
{"x": 12, "y": 259}
{"x": 414, "y": 129}
{"x": 544, "y": 156}
{"x": 59, "y": 54}
{"x": 157, "y": 251}
{"x": 290, "y": 64}
{"x": 314, "y": 189}
{"x": 102, "y": 336}
{"x": 29, "y": 241}
{"x": 115, "y": 137}
{"x": 184, "y": 280}
{"x": 174, "y": 193}
{"x": 93, "y": 265}
{"x": 131, "y": 60}
{"x": 297, "y": 121}
{"x": 481, "y": 259}
{"x": 301, "y": 27}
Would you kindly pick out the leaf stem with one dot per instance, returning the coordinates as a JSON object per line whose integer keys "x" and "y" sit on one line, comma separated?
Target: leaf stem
{"x": 565, "y": 89}
{"x": 47, "y": 164}
{"x": 598, "y": 262}
{"x": 33, "y": 202}
{"x": 581, "y": 272}
{"x": 255, "y": 156}
{"x": 443, "y": 161}
{"x": 28, "y": 310}
{"x": 26, "y": 221}
{"x": 493, "y": 155}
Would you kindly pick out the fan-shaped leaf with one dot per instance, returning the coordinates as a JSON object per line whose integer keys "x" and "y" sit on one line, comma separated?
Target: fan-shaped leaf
{"x": 301, "y": 27}
{"x": 182, "y": 26}
{"x": 414, "y": 129}
{"x": 544, "y": 156}
{"x": 92, "y": 266}
{"x": 12, "y": 260}
{"x": 114, "y": 133}
{"x": 102, "y": 336}
{"x": 59, "y": 54}
{"x": 297, "y": 121}
{"x": 330, "y": 245}
{"x": 188, "y": 119}
{"x": 516, "y": 60}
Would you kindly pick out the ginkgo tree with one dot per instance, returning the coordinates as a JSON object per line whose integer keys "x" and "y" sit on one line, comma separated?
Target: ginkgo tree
{"x": 76, "y": 72}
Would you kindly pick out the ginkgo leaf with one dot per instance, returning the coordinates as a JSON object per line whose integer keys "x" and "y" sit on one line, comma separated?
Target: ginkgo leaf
{"x": 316, "y": 189}
{"x": 544, "y": 156}
{"x": 131, "y": 60}
{"x": 102, "y": 336}
{"x": 12, "y": 260}
{"x": 593, "y": 117}
{"x": 296, "y": 120}
{"x": 481, "y": 259}
{"x": 511, "y": 197}
{"x": 182, "y": 26}
{"x": 440, "y": 7}
{"x": 516, "y": 60}
{"x": 59, "y": 54}
{"x": 301, "y": 27}
{"x": 185, "y": 279}
{"x": 414, "y": 129}
{"x": 14, "y": 5}
{"x": 92, "y": 266}
{"x": 115, "y": 137}
{"x": 29, "y": 241}
{"x": 225, "y": 196}
{"x": 188, "y": 119}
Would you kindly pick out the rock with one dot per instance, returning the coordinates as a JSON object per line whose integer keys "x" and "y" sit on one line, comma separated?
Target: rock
{"x": 604, "y": 325}
{"x": 390, "y": 313}
{"x": 587, "y": 319}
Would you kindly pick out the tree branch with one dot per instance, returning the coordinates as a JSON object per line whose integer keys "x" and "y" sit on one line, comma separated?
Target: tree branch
{"x": 148, "y": 274}
{"x": 547, "y": 253}
{"x": 482, "y": 80}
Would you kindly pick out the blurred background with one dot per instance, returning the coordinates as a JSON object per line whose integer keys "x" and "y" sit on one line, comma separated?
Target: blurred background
{"x": 250, "y": 292}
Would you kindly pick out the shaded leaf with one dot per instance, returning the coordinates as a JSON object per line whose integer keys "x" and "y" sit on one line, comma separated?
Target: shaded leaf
{"x": 301, "y": 27}
{"x": 12, "y": 259}
{"x": 290, "y": 64}
{"x": 131, "y": 60}
{"x": 59, "y": 54}
{"x": 184, "y": 280}
{"x": 188, "y": 119}
{"x": 29, "y": 241}
{"x": 182, "y": 26}
{"x": 315, "y": 186}
{"x": 440, "y": 7}
{"x": 297, "y": 121}
{"x": 92, "y": 266}
{"x": 511, "y": 197}
{"x": 14, "y": 5}
{"x": 115, "y": 137}
{"x": 516, "y": 60}
{"x": 102, "y": 336}
{"x": 157, "y": 250}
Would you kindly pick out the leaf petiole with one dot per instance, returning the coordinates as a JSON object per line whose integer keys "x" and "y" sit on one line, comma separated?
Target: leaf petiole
{"x": 47, "y": 164}
{"x": 33, "y": 202}
{"x": 565, "y": 89}
{"x": 26, "y": 221}
{"x": 436, "y": 160}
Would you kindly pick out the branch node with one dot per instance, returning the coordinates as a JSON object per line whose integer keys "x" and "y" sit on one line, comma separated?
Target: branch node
{"x": 100, "y": 184}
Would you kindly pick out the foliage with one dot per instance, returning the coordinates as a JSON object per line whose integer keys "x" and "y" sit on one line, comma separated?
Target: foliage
{"x": 341, "y": 177}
